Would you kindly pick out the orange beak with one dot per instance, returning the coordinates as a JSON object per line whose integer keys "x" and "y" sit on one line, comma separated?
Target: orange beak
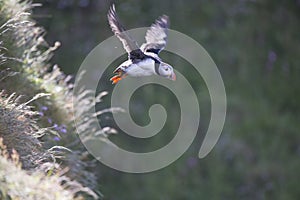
{"x": 173, "y": 77}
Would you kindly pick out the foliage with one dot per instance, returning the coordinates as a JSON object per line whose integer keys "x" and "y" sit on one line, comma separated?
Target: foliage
{"x": 17, "y": 184}
{"x": 39, "y": 130}
{"x": 256, "y": 45}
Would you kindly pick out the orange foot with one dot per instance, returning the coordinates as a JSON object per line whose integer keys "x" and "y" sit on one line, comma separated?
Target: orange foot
{"x": 116, "y": 79}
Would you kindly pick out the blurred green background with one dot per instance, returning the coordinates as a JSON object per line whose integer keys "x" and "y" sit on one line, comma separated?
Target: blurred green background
{"x": 256, "y": 46}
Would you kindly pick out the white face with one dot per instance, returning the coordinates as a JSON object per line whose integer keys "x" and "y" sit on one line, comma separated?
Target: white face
{"x": 167, "y": 71}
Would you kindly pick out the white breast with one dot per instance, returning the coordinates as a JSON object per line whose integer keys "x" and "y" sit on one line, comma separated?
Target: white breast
{"x": 143, "y": 68}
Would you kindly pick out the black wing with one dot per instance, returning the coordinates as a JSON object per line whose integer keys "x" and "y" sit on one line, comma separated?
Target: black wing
{"x": 156, "y": 36}
{"x": 129, "y": 44}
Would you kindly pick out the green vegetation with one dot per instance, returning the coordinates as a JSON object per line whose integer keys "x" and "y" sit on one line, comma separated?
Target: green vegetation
{"x": 17, "y": 184}
{"x": 36, "y": 123}
{"x": 256, "y": 46}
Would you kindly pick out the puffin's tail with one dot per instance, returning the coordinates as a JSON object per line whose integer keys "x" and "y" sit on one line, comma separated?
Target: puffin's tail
{"x": 118, "y": 71}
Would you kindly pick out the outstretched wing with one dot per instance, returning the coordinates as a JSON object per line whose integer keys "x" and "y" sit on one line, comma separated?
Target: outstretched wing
{"x": 128, "y": 43}
{"x": 156, "y": 36}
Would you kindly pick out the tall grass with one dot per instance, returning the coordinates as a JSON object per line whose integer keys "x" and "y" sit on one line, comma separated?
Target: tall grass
{"x": 36, "y": 123}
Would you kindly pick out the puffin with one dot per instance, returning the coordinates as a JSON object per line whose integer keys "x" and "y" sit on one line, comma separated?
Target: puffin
{"x": 144, "y": 60}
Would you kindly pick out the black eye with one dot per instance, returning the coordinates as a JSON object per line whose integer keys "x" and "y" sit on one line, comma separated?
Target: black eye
{"x": 167, "y": 69}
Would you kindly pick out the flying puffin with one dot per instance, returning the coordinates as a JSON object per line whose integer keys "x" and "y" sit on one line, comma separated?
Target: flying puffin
{"x": 144, "y": 60}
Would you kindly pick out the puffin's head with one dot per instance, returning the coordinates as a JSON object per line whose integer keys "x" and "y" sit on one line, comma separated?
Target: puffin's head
{"x": 166, "y": 71}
